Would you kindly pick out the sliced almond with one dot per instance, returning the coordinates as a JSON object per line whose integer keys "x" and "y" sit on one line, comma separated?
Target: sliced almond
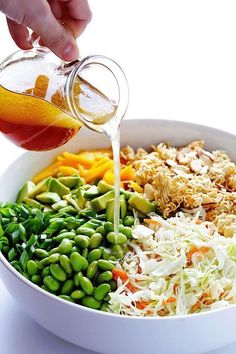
{"x": 209, "y": 206}
{"x": 196, "y": 165}
{"x": 204, "y": 170}
{"x": 170, "y": 163}
{"x": 209, "y": 155}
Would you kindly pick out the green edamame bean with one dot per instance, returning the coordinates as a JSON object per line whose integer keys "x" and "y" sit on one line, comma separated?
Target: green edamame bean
{"x": 101, "y": 291}
{"x": 32, "y": 267}
{"x": 104, "y": 307}
{"x": 68, "y": 234}
{"x": 105, "y": 265}
{"x": 129, "y": 220}
{"x": 82, "y": 241}
{"x": 106, "y": 253}
{"x": 117, "y": 251}
{"x": 112, "y": 258}
{"x": 84, "y": 253}
{"x": 46, "y": 271}
{"x": 86, "y": 285}
{"x": 92, "y": 270}
{"x": 107, "y": 298}
{"x": 26, "y": 275}
{"x": 113, "y": 284}
{"x": 67, "y": 298}
{"x": 53, "y": 258}
{"x": 74, "y": 249}
{"x": 36, "y": 279}
{"x": 57, "y": 272}
{"x": 65, "y": 246}
{"x": 119, "y": 239}
{"x": 127, "y": 231}
{"x": 44, "y": 287}
{"x": 85, "y": 231}
{"x": 90, "y": 302}
{"x": 67, "y": 287}
{"x": 94, "y": 255}
{"x": 104, "y": 277}
{"x": 77, "y": 278}
{"x": 51, "y": 283}
{"x": 78, "y": 262}
{"x": 95, "y": 240}
{"x": 65, "y": 264}
{"x": 39, "y": 253}
{"x": 108, "y": 227}
{"x": 43, "y": 263}
{"x": 77, "y": 294}
{"x": 54, "y": 250}
{"x": 101, "y": 230}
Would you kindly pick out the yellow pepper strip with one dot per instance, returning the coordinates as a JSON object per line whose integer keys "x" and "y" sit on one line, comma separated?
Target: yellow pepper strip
{"x": 60, "y": 158}
{"x": 136, "y": 187}
{"x": 99, "y": 171}
{"x": 82, "y": 171}
{"x": 99, "y": 162}
{"x": 68, "y": 171}
{"x": 51, "y": 170}
{"x": 98, "y": 152}
{"x": 127, "y": 173}
{"x": 109, "y": 177}
{"x": 78, "y": 159}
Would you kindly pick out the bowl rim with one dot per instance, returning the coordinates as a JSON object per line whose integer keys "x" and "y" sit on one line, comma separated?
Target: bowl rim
{"x": 79, "y": 307}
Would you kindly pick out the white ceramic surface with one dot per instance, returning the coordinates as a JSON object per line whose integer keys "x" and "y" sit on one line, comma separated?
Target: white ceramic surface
{"x": 109, "y": 333}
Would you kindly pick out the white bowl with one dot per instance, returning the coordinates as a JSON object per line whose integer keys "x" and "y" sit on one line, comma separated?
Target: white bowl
{"x": 108, "y": 333}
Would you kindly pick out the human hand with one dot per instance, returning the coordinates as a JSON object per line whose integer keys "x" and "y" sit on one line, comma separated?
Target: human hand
{"x": 57, "y": 22}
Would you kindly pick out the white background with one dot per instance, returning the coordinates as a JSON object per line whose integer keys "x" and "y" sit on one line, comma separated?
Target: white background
{"x": 180, "y": 60}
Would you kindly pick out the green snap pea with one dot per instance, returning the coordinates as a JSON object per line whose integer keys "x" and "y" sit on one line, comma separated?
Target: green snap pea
{"x": 95, "y": 240}
{"x": 43, "y": 263}
{"x": 67, "y": 298}
{"x": 39, "y": 253}
{"x": 78, "y": 262}
{"x": 101, "y": 230}
{"x": 109, "y": 227}
{"x": 104, "y": 307}
{"x": 85, "y": 231}
{"x": 67, "y": 287}
{"x": 65, "y": 264}
{"x": 65, "y": 246}
{"x": 36, "y": 279}
{"x": 46, "y": 271}
{"x": 86, "y": 285}
{"x": 69, "y": 235}
{"x": 92, "y": 270}
{"x": 101, "y": 291}
{"x": 129, "y": 220}
{"x": 77, "y": 294}
{"x": 119, "y": 239}
{"x": 82, "y": 241}
{"x": 106, "y": 253}
{"x": 84, "y": 253}
{"x": 105, "y": 265}
{"x": 51, "y": 283}
{"x": 94, "y": 255}
{"x": 57, "y": 272}
{"x": 32, "y": 267}
{"x": 90, "y": 302}
{"x": 77, "y": 278}
{"x": 104, "y": 277}
{"x": 117, "y": 251}
{"x": 91, "y": 224}
{"x": 53, "y": 258}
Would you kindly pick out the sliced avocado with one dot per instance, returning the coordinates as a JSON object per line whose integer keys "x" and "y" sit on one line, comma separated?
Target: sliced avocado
{"x": 80, "y": 200}
{"x": 33, "y": 203}
{"x": 57, "y": 187}
{"x": 91, "y": 193}
{"x": 110, "y": 207}
{"x": 40, "y": 187}
{"x": 100, "y": 203}
{"x": 48, "y": 197}
{"x": 123, "y": 206}
{"x": 104, "y": 187}
{"x": 138, "y": 202}
{"x": 71, "y": 181}
{"x": 25, "y": 191}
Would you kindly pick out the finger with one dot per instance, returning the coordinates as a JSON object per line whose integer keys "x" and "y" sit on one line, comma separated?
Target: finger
{"x": 19, "y": 34}
{"x": 56, "y": 8}
{"x": 75, "y": 26}
{"x": 53, "y": 34}
{"x": 78, "y": 9}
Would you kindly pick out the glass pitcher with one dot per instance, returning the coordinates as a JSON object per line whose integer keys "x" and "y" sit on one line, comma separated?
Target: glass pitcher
{"x": 44, "y": 102}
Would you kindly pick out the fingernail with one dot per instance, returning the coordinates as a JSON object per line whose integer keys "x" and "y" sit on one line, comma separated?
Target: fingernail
{"x": 70, "y": 53}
